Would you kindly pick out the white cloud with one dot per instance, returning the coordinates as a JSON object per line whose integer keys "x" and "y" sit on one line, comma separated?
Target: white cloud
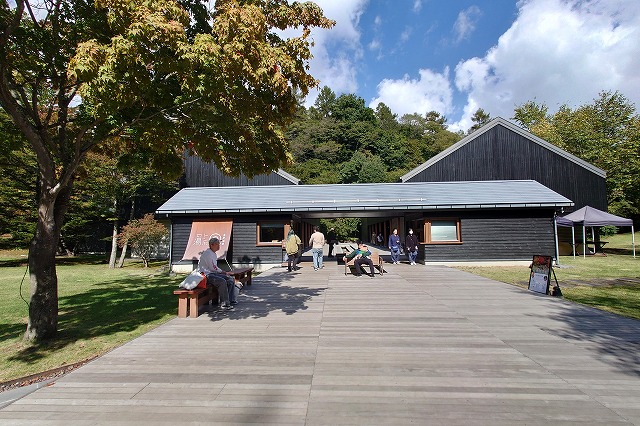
{"x": 406, "y": 34}
{"x": 466, "y": 23}
{"x": 337, "y": 50}
{"x": 431, "y": 92}
{"x": 556, "y": 52}
{"x": 417, "y": 5}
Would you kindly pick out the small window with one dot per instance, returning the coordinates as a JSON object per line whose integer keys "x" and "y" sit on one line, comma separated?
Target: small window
{"x": 442, "y": 231}
{"x": 270, "y": 233}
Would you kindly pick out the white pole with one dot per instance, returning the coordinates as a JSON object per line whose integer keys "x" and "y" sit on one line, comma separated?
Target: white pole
{"x": 573, "y": 237}
{"x": 584, "y": 241}
{"x": 555, "y": 232}
{"x": 633, "y": 241}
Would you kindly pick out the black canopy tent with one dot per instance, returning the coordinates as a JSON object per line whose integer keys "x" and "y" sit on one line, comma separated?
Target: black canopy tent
{"x": 590, "y": 216}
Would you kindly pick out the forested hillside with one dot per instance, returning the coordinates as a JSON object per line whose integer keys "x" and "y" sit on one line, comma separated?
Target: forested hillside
{"x": 340, "y": 140}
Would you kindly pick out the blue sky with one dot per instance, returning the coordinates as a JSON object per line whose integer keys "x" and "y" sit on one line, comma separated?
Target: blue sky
{"x": 457, "y": 56}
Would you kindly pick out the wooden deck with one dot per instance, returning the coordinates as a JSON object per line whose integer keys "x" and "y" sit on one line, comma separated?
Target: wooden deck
{"x": 422, "y": 345}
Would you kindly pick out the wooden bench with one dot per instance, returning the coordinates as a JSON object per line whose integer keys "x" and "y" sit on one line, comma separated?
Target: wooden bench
{"x": 189, "y": 301}
{"x": 378, "y": 262}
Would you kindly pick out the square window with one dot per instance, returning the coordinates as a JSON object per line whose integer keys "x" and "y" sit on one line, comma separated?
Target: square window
{"x": 442, "y": 231}
{"x": 270, "y": 233}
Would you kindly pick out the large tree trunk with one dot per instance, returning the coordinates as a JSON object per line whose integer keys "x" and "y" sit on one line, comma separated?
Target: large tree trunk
{"x": 43, "y": 306}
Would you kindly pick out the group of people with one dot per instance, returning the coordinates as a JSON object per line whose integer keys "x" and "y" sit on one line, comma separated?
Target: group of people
{"x": 293, "y": 247}
{"x": 221, "y": 280}
{"x": 410, "y": 244}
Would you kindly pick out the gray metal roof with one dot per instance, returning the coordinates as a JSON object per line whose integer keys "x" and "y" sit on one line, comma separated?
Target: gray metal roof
{"x": 364, "y": 197}
{"x": 501, "y": 121}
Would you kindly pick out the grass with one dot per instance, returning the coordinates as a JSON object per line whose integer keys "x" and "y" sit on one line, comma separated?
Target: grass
{"x": 99, "y": 309}
{"x": 610, "y": 283}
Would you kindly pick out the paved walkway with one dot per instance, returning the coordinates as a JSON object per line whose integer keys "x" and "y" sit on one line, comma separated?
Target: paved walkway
{"x": 421, "y": 345}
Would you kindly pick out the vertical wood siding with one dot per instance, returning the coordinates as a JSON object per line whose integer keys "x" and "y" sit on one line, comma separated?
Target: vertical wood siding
{"x": 501, "y": 154}
{"x": 198, "y": 174}
{"x": 497, "y": 235}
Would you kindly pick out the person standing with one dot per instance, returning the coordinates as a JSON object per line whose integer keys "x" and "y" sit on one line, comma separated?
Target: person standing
{"x": 411, "y": 243}
{"x": 394, "y": 246}
{"x": 331, "y": 239}
{"x": 317, "y": 246}
{"x": 224, "y": 283}
{"x": 292, "y": 246}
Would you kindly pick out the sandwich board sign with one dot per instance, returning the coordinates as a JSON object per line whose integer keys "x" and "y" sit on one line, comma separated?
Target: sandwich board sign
{"x": 540, "y": 271}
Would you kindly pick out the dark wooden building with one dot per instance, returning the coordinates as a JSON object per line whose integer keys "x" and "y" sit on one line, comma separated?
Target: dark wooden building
{"x": 455, "y": 221}
{"x": 198, "y": 173}
{"x": 503, "y": 151}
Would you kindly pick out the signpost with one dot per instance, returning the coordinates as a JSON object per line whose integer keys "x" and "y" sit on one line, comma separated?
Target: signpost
{"x": 540, "y": 273}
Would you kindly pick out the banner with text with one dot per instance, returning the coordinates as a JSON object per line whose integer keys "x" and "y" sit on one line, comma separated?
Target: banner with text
{"x": 201, "y": 231}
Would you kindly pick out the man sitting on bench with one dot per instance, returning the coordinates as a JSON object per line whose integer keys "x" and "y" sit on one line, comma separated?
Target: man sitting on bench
{"x": 208, "y": 265}
{"x": 361, "y": 254}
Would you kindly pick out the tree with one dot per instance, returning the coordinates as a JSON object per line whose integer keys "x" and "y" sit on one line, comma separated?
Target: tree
{"x": 480, "y": 118}
{"x": 144, "y": 235}
{"x": 77, "y": 73}
{"x": 324, "y": 103}
{"x": 605, "y": 133}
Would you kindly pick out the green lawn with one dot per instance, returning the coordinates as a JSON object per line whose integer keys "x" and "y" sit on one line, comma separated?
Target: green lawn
{"x": 99, "y": 309}
{"x": 611, "y": 282}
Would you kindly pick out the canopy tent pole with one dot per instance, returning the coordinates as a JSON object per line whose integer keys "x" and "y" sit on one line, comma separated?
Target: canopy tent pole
{"x": 573, "y": 237}
{"x": 633, "y": 241}
{"x": 555, "y": 232}
{"x": 584, "y": 241}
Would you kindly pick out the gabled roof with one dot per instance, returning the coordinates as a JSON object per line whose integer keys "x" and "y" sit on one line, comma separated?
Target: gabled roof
{"x": 498, "y": 121}
{"x": 363, "y": 197}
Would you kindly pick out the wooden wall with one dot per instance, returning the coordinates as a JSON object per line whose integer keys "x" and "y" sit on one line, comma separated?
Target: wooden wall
{"x": 501, "y": 154}
{"x": 199, "y": 174}
{"x": 496, "y": 235}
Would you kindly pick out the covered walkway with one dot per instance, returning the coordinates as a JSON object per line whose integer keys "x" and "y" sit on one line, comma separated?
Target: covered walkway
{"x": 421, "y": 345}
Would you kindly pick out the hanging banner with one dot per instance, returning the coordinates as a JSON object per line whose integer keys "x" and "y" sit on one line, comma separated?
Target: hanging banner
{"x": 201, "y": 231}
{"x": 540, "y": 272}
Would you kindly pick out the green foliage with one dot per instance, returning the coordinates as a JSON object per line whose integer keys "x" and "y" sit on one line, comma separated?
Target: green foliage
{"x": 605, "y": 133}
{"x": 608, "y": 230}
{"x": 347, "y": 228}
{"x": 144, "y": 235}
{"x": 17, "y": 187}
{"x": 340, "y": 140}
{"x": 363, "y": 168}
{"x": 479, "y": 118}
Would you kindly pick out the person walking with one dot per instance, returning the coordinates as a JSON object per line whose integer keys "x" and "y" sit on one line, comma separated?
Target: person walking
{"x": 317, "y": 246}
{"x": 292, "y": 246}
{"x": 394, "y": 246}
{"x": 411, "y": 244}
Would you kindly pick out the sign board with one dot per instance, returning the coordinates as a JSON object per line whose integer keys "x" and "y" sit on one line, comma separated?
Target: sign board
{"x": 201, "y": 231}
{"x": 540, "y": 272}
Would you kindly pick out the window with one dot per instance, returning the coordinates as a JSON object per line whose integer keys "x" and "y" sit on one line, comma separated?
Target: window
{"x": 442, "y": 231}
{"x": 271, "y": 233}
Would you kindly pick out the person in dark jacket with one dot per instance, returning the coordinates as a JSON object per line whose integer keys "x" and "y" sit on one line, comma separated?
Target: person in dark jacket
{"x": 394, "y": 246}
{"x": 411, "y": 244}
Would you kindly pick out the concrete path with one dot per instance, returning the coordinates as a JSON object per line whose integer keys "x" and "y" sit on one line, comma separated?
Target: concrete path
{"x": 421, "y": 345}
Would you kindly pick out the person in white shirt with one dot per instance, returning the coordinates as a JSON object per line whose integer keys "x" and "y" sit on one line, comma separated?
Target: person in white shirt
{"x": 208, "y": 265}
{"x": 317, "y": 246}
